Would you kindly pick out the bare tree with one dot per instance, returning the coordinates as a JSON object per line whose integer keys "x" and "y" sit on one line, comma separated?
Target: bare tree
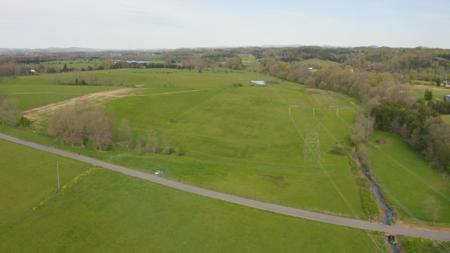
{"x": 98, "y": 128}
{"x": 66, "y": 126}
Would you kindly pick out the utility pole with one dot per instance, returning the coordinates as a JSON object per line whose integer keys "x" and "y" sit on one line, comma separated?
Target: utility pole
{"x": 57, "y": 175}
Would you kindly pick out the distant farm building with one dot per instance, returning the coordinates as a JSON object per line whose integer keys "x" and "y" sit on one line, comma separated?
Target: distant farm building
{"x": 137, "y": 62}
{"x": 259, "y": 82}
{"x": 311, "y": 69}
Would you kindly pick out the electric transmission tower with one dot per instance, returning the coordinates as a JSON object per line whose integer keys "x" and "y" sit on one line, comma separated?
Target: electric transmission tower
{"x": 311, "y": 146}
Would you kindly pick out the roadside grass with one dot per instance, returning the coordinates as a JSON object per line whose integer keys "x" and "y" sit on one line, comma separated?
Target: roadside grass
{"x": 28, "y": 177}
{"x": 409, "y": 183}
{"x": 417, "y": 245}
{"x": 109, "y": 212}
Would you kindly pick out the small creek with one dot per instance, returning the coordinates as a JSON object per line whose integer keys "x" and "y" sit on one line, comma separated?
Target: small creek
{"x": 388, "y": 212}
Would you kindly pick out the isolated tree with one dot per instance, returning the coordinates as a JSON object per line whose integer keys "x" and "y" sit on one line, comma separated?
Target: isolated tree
{"x": 65, "y": 69}
{"x": 428, "y": 96}
{"x": 438, "y": 82}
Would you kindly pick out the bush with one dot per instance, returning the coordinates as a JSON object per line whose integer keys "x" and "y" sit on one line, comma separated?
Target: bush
{"x": 428, "y": 96}
{"x": 24, "y": 122}
{"x": 82, "y": 127}
{"x": 337, "y": 149}
{"x": 9, "y": 112}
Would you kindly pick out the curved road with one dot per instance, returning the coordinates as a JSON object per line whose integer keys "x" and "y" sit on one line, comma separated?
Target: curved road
{"x": 320, "y": 217}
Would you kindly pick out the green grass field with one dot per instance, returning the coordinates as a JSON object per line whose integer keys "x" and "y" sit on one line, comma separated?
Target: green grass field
{"x": 71, "y": 64}
{"x": 268, "y": 143}
{"x": 27, "y": 178}
{"x": 446, "y": 118}
{"x": 415, "y": 245}
{"x": 409, "y": 182}
{"x": 438, "y": 92}
{"x": 245, "y": 140}
{"x": 102, "y": 211}
{"x": 35, "y": 91}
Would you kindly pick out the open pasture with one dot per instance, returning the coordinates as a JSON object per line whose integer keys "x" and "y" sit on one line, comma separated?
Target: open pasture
{"x": 258, "y": 142}
{"x": 102, "y": 211}
{"x": 418, "y": 193}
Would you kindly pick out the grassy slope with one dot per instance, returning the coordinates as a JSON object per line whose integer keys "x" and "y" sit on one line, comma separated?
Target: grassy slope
{"x": 108, "y": 212}
{"x": 27, "y": 177}
{"x": 408, "y": 180}
{"x": 241, "y": 140}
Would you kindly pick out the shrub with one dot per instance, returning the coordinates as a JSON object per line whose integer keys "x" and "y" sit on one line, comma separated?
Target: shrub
{"x": 337, "y": 149}
{"x": 24, "y": 122}
{"x": 82, "y": 127}
{"x": 428, "y": 96}
{"x": 9, "y": 112}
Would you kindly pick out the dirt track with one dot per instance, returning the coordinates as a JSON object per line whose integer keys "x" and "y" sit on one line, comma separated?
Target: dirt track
{"x": 36, "y": 114}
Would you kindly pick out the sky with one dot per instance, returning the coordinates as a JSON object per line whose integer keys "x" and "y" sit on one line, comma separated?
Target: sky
{"x": 150, "y": 24}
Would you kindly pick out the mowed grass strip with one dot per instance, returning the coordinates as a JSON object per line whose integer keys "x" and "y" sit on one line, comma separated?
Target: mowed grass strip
{"x": 109, "y": 212}
{"x": 416, "y": 191}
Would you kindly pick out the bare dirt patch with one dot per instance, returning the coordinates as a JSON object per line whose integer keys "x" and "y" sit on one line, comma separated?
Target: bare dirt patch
{"x": 37, "y": 115}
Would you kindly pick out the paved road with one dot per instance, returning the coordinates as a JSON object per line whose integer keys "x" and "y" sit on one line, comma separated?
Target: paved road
{"x": 320, "y": 217}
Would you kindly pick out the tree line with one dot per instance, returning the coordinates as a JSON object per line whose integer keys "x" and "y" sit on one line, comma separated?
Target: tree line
{"x": 388, "y": 100}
